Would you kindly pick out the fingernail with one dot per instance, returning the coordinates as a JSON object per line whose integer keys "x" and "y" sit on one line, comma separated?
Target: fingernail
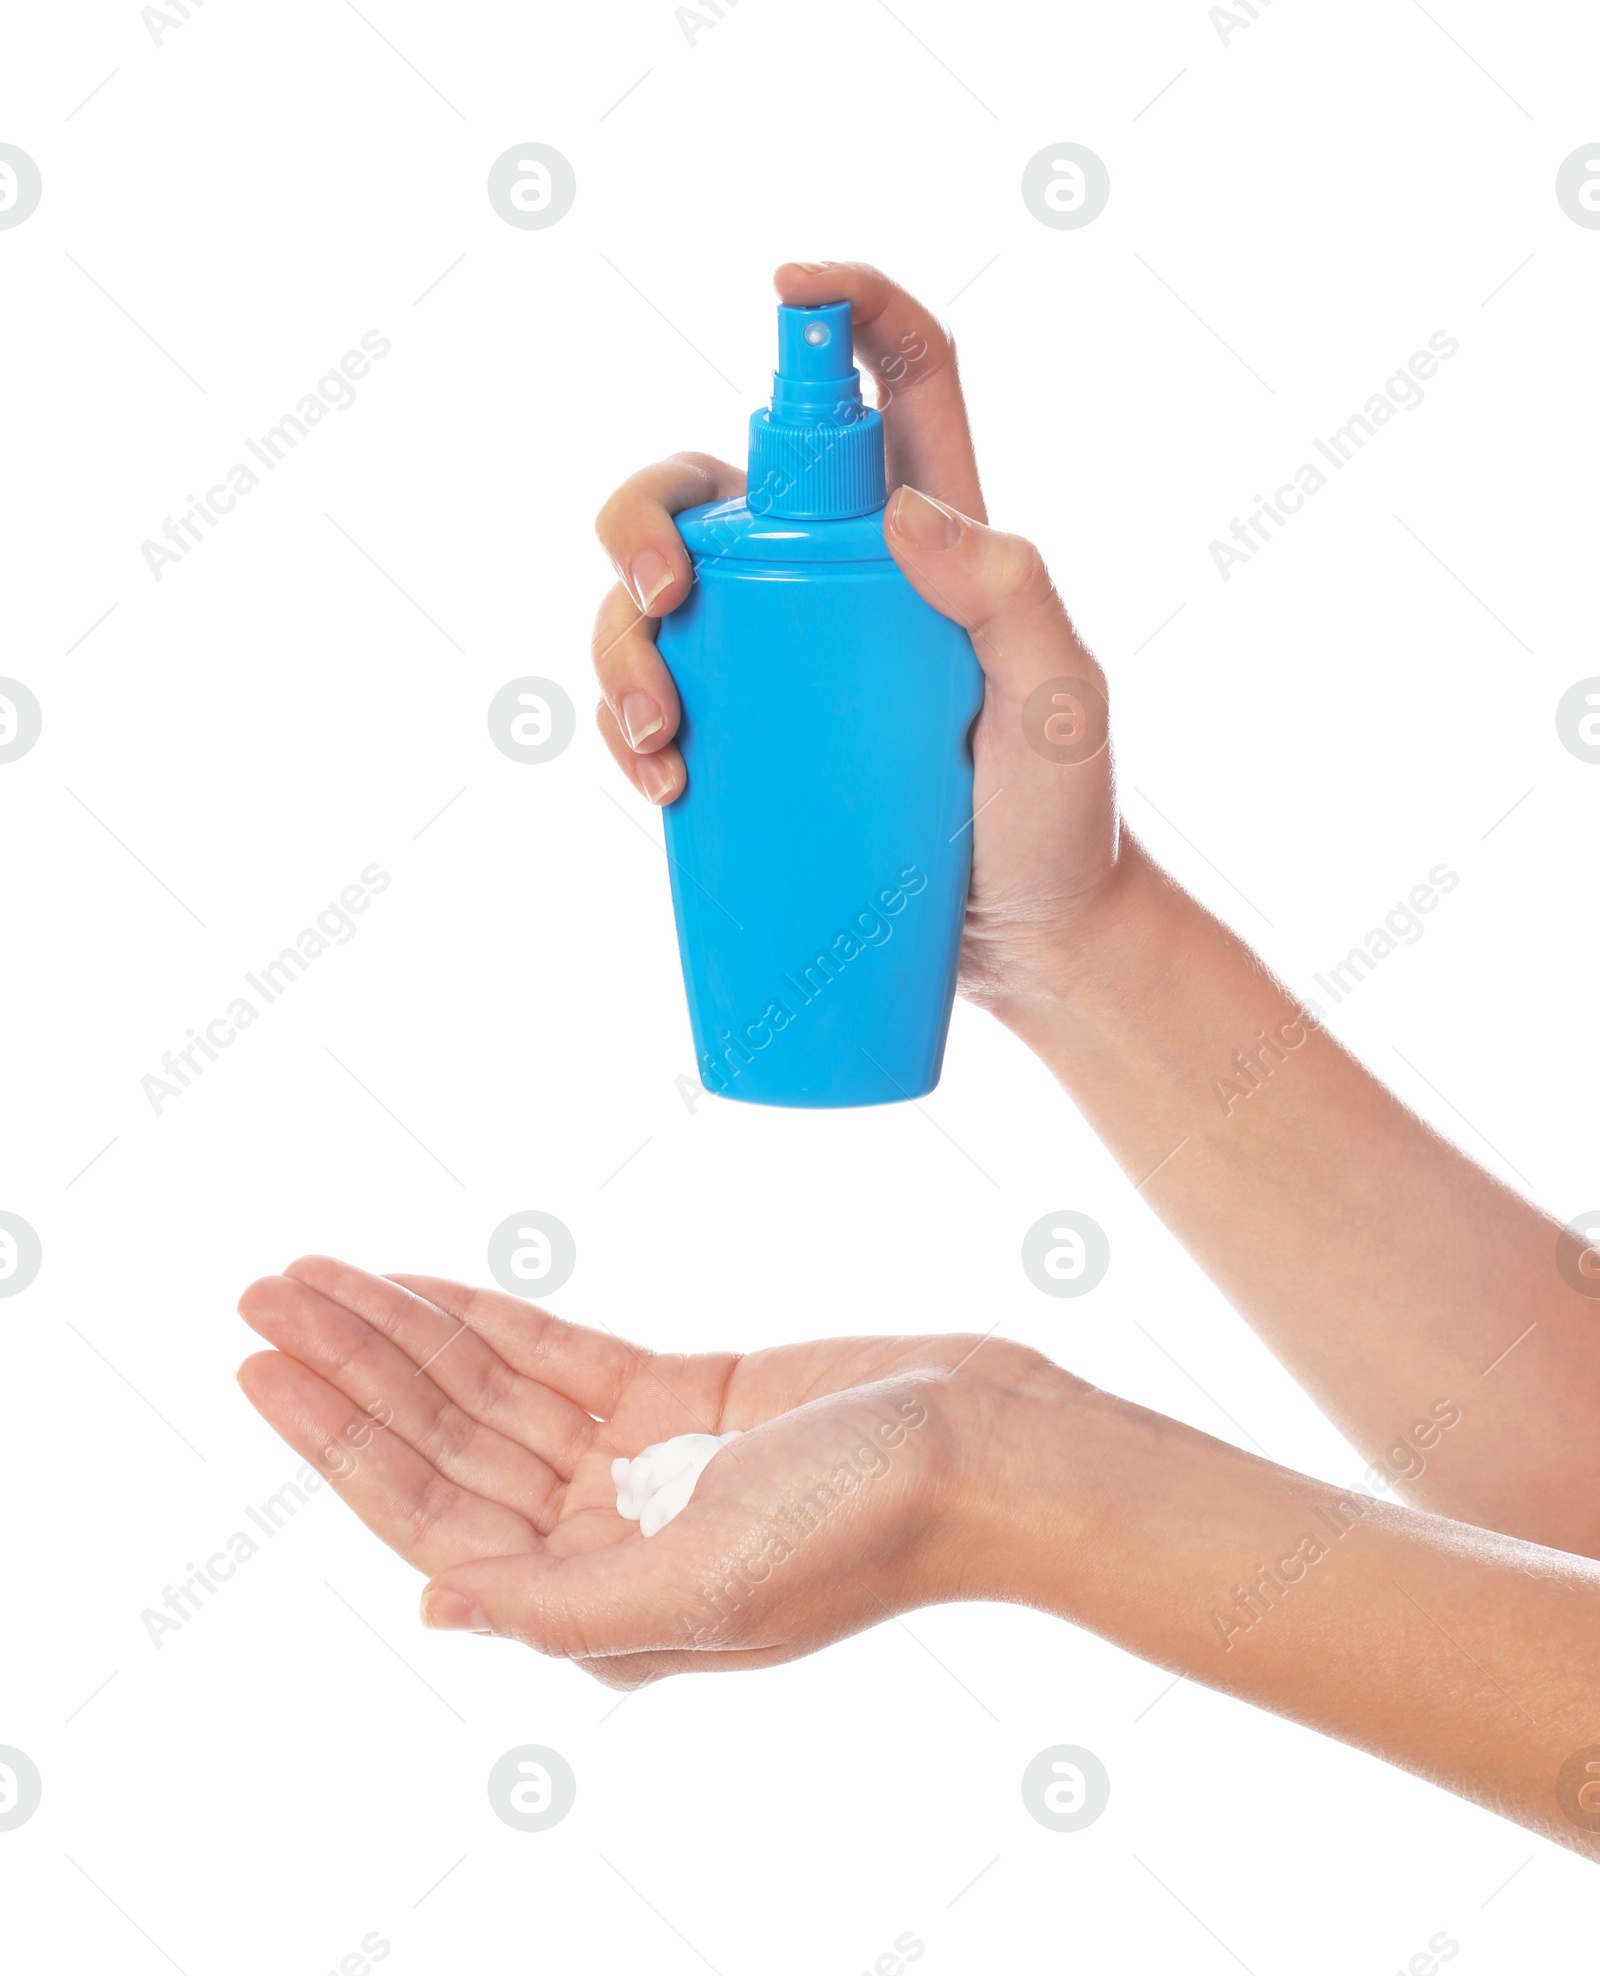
{"x": 650, "y": 573}
{"x": 929, "y": 524}
{"x": 656, "y": 777}
{"x": 816, "y": 267}
{"x": 641, "y": 718}
{"x": 453, "y": 1612}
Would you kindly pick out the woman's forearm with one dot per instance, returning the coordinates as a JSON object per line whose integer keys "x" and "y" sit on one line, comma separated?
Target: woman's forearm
{"x": 1389, "y": 1273}
{"x": 1467, "y": 1657}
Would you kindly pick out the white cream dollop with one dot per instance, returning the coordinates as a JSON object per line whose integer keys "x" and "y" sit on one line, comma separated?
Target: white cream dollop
{"x": 656, "y": 1484}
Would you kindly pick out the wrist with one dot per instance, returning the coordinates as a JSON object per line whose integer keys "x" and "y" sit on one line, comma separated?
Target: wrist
{"x": 1039, "y": 1449}
{"x": 1077, "y": 962}
{"x": 1124, "y": 1521}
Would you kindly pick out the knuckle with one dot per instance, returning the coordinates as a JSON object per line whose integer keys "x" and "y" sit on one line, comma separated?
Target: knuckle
{"x": 1017, "y": 571}
{"x": 605, "y": 522}
{"x": 600, "y": 636}
{"x": 427, "y": 1511}
{"x": 920, "y": 353}
{"x": 620, "y": 512}
{"x": 545, "y": 1346}
{"x": 448, "y": 1435}
{"x": 494, "y": 1386}
{"x": 570, "y": 1442}
{"x": 355, "y": 1361}
{"x": 546, "y": 1502}
{"x": 344, "y": 1360}
{"x": 617, "y": 632}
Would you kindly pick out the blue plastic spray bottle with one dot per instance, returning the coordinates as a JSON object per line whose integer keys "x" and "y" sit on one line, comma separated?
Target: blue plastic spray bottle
{"x": 819, "y": 856}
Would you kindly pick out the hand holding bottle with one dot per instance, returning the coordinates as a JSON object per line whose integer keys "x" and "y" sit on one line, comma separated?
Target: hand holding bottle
{"x": 1045, "y": 831}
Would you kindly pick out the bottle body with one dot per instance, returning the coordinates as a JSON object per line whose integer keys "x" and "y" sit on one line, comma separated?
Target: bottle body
{"x": 819, "y": 857}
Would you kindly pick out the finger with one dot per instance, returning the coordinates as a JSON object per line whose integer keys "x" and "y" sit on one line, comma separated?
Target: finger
{"x": 457, "y": 1359}
{"x": 378, "y": 1377}
{"x": 430, "y": 1521}
{"x": 630, "y": 1671}
{"x": 591, "y": 1368}
{"x": 632, "y": 1598}
{"x": 1041, "y": 752}
{"x": 632, "y": 673}
{"x": 927, "y": 439}
{"x": 661, "y": 779}
{"x": 635, "y": 526}
{"x": 996, "y": 585}
{"x": 694, "y": 1587}
{"x": 639, "y": 715}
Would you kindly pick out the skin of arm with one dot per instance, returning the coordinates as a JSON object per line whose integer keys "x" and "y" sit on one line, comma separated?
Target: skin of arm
{"x": 1467, "y": 1657}
{"x": 1386, "y": 1270}
{"x": 1382, "y": 1266}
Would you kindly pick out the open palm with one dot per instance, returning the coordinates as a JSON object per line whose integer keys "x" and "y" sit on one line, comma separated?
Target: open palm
{"x": 474, "y": 1434}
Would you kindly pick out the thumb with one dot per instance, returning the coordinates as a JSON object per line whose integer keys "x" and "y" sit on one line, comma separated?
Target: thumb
{"x": 1046, "y": 696}
{"x": 506, "y": 1595}
{"x": 613, "y": 1601}
{"x": 1042, "y": 767}
{"x": 997, "y": 587}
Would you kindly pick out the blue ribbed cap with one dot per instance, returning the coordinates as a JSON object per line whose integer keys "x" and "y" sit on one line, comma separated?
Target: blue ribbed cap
{"x": 816, "y": 453}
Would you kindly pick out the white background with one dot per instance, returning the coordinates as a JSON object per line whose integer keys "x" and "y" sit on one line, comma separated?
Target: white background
{"x": 302, "y": 1764}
